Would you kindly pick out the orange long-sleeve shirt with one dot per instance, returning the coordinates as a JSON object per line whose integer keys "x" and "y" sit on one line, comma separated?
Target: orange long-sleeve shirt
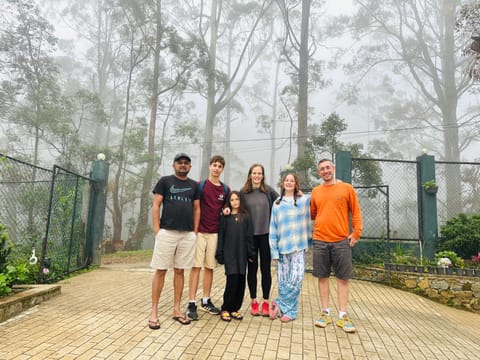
{"x": 331, "y": 207}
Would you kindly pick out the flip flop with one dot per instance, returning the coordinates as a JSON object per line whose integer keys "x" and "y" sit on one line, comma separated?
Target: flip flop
{"x": 225, "y": 316}
{"x": 154, "y": 324}
{"x": 181, "y": 319}
{"x": 236, "y": 315}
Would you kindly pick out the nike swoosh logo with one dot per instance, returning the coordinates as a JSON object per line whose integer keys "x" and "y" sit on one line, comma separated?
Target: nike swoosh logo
{"x": 174, "y": 190}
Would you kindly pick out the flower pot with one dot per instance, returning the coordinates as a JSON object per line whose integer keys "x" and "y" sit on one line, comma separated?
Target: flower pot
{"x": 459, "y": 271}
{"x": 412, "y": 268}
{"x": 469, "y": 272}
{"x": 441, "y": 270}
{"x": 389, "y": 266}
{"x": 431, "y": 269}
{"x": 401, "y": 267}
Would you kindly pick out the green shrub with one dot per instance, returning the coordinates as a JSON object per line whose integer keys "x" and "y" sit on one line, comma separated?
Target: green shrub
{"x": 15, "y": 275}
{"x": 370, "y": 253}
{"x": 5, "y": 247}
{"x": 461, "y": 235}
{"x": 5, "y": 289}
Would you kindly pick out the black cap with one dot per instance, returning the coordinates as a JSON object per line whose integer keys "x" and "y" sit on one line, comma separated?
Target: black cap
{"x": 182, "y": 156}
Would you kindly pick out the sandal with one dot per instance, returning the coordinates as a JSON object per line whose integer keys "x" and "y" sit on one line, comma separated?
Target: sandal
{"x": 154, "y": 324}
{"x": 182, "y": 319}
{"x": 285, "y": 318}
{"x": 274, "y": 311}
{"x": 225, "y": 316}
{"x": 236, "y": 315}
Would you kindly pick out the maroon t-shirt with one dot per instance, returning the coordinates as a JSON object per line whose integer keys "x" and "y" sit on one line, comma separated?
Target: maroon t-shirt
{"x": 212, "y": 199}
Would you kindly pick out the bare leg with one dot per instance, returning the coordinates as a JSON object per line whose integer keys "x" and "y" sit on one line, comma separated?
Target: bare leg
{"x": 324, "y": 290}
{"x": 178, "y": 280}
{"x": 207, "y": 282}
{"x": 193, "y": 283}
{"x": 157, "y": 286}
{"x": 342, "y": 293}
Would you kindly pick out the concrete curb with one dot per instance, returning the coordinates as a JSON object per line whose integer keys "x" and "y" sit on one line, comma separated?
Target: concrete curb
{"x": 26, "y": 297}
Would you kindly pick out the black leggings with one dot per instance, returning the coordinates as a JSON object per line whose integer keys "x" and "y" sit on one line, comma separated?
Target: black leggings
{"x": 262, "y": 246}
{"x": 234, "y": 291}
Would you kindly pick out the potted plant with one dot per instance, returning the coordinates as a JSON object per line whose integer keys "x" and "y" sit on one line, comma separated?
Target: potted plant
{"x": 447, "y": 260}
{"x": 476, "y": 264}
{"x": 430, "y": 187}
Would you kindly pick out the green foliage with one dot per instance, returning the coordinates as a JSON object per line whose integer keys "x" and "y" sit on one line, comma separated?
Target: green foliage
{"x": 16, "y": 275}
{"x": 324, "y": 143}
{"x": 5, "y": 247}
{"x": 5, "y": 289}
{"x": 329, "y": 131}
{"x": 404, "y": 256}
{"x": 461, "y": 235}
{"x": 370, "y": 253}
{"x": 13, "y": 271}
{"x": 452, "y": 255}
{"x": 19, "y": 274}
{"x": 366, "y": 173}
{"x": 430, "y": 184}
{"x": 29, "y": 44}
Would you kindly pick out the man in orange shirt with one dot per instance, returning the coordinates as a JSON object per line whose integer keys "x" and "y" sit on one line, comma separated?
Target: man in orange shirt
{"x": 334, "y": 204}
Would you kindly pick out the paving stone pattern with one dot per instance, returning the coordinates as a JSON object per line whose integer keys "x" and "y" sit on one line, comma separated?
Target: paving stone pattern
{"x": 103, "y": 314}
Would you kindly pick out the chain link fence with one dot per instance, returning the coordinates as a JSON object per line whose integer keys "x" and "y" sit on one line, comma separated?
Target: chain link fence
{"x": 66, "y": 231}
{"x": 392, "y": 203}
{"x": 458, "y": 189}
{"x": 389, "y": 210}
{"x": 45, "y": 213}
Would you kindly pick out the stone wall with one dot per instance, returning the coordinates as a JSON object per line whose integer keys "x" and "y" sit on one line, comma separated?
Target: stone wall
{"x": 25, "y": 297}
{"x": 457, "y": 291}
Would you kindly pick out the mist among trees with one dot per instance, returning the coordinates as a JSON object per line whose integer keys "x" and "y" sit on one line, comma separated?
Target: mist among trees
{"x": 278, "y": 82}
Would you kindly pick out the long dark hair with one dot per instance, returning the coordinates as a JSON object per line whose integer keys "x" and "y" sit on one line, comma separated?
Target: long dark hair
{"x": 295, "y": 191}
{"x": 248, "y": 187}
{"x": 242, "y": 210}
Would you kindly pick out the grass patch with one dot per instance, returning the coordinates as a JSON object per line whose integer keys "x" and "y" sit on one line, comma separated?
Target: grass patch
{"x": 124, "y": 254}
{"x": 127, "y": 257}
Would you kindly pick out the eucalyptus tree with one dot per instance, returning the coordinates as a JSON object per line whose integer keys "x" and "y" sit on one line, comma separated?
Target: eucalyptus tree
{"x": 175, "y": 55}
{"x": 414, "y": 45}
{"x": 264, "y": 95}
{"x": 226, "y": 70}
{"x": 96, "y": 27}
{"x": 134, "y": 51}
{"x": 81, "y": 111}
{"x": 29, "y": 72}
{"x": 138, "y": 64}
{"x": 302, "y": 39}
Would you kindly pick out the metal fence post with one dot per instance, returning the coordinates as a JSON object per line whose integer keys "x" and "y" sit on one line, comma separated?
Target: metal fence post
{"x": 343, "y": 166}
{"x": 427, "y": 206}
{"x": 96, "y": 212}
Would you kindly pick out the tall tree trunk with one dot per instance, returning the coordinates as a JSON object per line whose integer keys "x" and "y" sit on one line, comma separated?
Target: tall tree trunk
{"x": 228, "y": 125}
{"x": 142, "y": 223}
{"x": 102, "y": 51}
{"x": 449, "y": 110}
{"x": 303, "y": 84}
{"x": 211, "y": 107}
{"x": 119, "y": 180}
{"x": 273, "y": 173}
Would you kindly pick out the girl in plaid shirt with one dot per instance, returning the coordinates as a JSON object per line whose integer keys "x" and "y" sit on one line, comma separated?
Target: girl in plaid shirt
{"x": 290, "y": 230}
